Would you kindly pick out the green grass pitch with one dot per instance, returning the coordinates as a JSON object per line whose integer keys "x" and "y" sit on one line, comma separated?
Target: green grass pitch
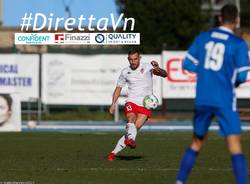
{"x": 80, "y": 158}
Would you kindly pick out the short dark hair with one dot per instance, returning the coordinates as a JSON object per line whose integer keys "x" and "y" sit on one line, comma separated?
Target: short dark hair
{"x": 229, "y": 13}
{"x": 133, "y": 51}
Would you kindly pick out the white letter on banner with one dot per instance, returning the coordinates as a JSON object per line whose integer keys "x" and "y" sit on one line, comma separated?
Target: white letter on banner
{"x": 105, "y": 25}
{"x": 81, "y": 19}
{"x": 44, "y": 21}
{"x": 68, "y": 25}
{"x": 115, "y": 24}
{"x": 126, "y": 22}
{"x": 91, "y": 18}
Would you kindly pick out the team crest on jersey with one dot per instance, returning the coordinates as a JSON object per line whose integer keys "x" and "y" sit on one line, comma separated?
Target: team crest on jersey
{"x": 142, "y": 70}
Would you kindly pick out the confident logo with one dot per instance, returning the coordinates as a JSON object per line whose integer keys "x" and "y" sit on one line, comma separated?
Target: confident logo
{"x": 32, "y": 38}
{"x": 59, "y": 38}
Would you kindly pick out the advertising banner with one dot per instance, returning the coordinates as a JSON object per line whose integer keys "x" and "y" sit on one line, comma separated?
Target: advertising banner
{"x": 85, "y": 80}
{"x": 10, "y": 112}
{"x": 19, "y": 73}
{"x": 181, "y": 83}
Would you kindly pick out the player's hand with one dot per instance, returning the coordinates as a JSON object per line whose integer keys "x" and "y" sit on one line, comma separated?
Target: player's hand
{"x": 112, "y": 109}
{"x": 155, "y": 64}
{"x": 156, "y": 67}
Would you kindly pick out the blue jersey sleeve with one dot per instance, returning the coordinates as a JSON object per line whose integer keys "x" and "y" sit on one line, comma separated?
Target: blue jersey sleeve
{"x": 193, "y": 50}
{"x": 241, "y": 78}
{"x": 242, "y": 58}
{"x": 189, "y": 65}
{"x": 190, "y": 62}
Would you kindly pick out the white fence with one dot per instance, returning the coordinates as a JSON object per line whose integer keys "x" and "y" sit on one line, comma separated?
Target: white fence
{"x": 90, "y": 79}
{"x": 85, "y": 80}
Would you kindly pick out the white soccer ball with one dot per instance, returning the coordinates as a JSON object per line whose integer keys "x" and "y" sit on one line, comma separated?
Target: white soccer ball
{"x": 150, "y": 102}
{"x": 31, "y": 124}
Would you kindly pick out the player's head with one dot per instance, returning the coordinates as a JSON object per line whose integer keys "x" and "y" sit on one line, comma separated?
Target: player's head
{"x": 229, "y": 15}
{"x": 5, "y": 108}
{"x": 134, "y": 58}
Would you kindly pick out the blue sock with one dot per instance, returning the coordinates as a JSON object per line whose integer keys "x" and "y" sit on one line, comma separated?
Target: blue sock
{"x": 187, "y": 163}
{"x": 240, "y": 168}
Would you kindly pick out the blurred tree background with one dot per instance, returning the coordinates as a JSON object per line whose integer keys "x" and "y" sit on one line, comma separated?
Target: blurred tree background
{"x": 245, "y": 13}
{"x": 167, "y": 24}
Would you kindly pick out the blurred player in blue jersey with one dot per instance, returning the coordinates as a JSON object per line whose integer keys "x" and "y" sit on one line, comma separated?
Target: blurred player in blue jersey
{"x": 220, "y": 60}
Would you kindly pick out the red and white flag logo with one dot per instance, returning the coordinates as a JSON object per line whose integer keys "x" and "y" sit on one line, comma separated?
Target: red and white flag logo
{"x": 59, "y": 38}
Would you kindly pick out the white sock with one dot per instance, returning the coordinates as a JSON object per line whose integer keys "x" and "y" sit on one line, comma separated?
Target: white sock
{"x": 179, "y": 182}
{"x": 131, "y": 131}
{"x": 120, "y": 145}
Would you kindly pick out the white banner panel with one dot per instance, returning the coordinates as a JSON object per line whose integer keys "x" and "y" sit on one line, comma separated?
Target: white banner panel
{"x": 244, "y": 90}
{"x": 85, "y": 80}
{"x": 181, "y": 84}
{"x": 19, "y": 73}
{"x": 10, "y": 112}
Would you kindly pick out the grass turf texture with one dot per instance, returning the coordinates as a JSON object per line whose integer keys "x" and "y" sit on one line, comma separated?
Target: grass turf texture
{"x": 60, "y": 158}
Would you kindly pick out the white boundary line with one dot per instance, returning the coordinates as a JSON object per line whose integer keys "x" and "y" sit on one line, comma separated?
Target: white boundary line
{"x": 125, "y": 169}
{"x": 121, "y": 127}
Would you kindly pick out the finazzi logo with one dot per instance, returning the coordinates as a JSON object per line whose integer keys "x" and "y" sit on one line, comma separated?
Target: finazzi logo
{"x": 59, "y": 38}
{"x": 176, "y": 73}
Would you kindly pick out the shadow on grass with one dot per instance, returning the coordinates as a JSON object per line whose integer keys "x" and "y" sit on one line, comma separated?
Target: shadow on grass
{"x": 122, "y": 157}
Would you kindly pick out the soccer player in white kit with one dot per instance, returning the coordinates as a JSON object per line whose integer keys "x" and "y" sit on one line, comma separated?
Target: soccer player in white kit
{"x": 139, "y": 78}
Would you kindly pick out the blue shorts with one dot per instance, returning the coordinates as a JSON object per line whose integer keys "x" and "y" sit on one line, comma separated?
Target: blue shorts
{"x": 228, "y": 120}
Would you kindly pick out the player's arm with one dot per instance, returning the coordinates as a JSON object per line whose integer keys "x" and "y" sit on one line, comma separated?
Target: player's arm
{"x": 189, "y": 64}
{"x": 242, "y": 60}
{"x": 157, "y": 70}
{"x": 120, "y": 83}
{"x": 241, "y": 78}
{"x": 116, "y": 95}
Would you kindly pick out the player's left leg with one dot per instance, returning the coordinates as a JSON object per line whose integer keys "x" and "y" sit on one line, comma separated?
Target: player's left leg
{"x": 189, "y": 158}
{"x": 202, "y": 121}
{"x": 140, "y": 120}
{"x": 142, "y": 116}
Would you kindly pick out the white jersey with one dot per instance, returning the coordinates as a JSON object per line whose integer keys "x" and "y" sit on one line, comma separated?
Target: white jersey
{"x": 139, "y": 81}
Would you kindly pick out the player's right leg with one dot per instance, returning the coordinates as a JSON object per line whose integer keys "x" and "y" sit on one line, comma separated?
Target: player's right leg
{"x": 130, "y": 111}
{"x": 229, "y": 122}
{"x": 202, "y": 121}
{"x": 129, "y": 138}
{"x": 239, "y": 162}
{"x": 142, "y": 114}
{"x": 131, "y": 130}
{"x": 120, "y": 145}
